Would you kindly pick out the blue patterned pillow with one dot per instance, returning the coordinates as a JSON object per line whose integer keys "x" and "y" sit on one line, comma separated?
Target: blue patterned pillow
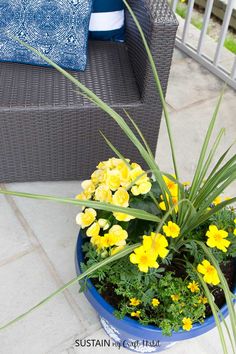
{"x": 57, "y": 28}
{"x": 107, "y": 20}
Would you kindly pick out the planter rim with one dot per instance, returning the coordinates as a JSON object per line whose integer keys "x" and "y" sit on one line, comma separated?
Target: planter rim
{"x": 110, "y": 309}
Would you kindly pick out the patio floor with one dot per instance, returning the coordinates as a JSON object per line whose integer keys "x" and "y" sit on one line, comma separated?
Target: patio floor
{"x": 37, "y": 238}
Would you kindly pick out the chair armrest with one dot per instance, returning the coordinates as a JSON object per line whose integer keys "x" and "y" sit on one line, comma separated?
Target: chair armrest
{"x": 159, "y": 25}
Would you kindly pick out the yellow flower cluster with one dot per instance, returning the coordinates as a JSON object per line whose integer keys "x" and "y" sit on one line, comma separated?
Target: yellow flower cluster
{"x": 146, "y": 255}
{"x": 110, "y": 180}
{"x": 115, "y": 236}
{"x": 173, "y": 189}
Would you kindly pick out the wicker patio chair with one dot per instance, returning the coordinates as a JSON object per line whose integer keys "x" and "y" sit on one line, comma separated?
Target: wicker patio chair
{"x": 50, "y": 132}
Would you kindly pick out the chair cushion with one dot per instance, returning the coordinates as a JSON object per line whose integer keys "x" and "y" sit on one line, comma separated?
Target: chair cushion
{"x": 107, "y": 20}
{"x": 109, "y": 74}
{"x": 58, "y": 28}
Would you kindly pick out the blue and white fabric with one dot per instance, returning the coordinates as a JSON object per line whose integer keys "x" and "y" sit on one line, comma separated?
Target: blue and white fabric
{"x": 57, "y": 28}
{"x": 107, "y": 20}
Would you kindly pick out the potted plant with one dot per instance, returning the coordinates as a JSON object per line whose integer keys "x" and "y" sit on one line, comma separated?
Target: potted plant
{"x": 160, "y": 251}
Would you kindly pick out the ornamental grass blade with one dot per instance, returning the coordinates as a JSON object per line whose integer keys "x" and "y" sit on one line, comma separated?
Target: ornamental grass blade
{"x": 139, "y": 133}
{"x": 137, "y": 213}
{"x": 158, "y": 85}
{"x": 195, "y": 182}
{"x": 210, "y": 157}
{"x": 127, "y": 250}
{"x": 219, "y": 162}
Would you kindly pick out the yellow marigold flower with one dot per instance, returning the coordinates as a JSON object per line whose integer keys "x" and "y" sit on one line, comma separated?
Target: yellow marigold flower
{"x": 217, "y": 200}
{"x": 122, "y": 216}
{"x": 193, "y": 286}
{"x": 156, "y": 243}
{"x": 135, "y": 313}
{"x": 175, "y": 297}
{"x": 144, "y": 258}
{"x": 103, "y": 194}
{"x": 116, "y": 250}
{"x": 171, "y": 185}
{"x": 155, "y": 302}
{"x": 86, "y": 218}
{"x": 202, "y": 300}
{"x": 121, "y": 197}
{"x": 113, "y": 179}
{"x": 216, "y": 238}
{"x": 171, "y": 230}
{"x": 104, "y": 224}
{"x": 174, "y": 201}
{"x": 93, "y": 230}
{"x": 134, "y": 302}
{"x": 210, "y": 273}
{"x": 187, "y": 323}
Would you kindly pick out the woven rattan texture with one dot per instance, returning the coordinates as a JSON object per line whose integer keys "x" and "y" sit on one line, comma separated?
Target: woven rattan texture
{"x": 50, "y": 132}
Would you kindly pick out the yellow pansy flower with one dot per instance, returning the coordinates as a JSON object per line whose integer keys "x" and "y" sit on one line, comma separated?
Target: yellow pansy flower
{"x": 88, "y": 186}
{"x": 120, "y": 234}
{"x": 121, "y": 197}
{"x": 135, "y": 313}
{"x": 193, "y": 286}
{"x": 187, "y": 323}
{"x": 171, "y": 229}
{"x": 123, "y": 217}
{"x": 115, "y": 250}
{"x": 217, "y": 238}
{"x": 156, "y": 243}
{"x": 113, "y": 179}
{"x": 210, "y": 273}
{"x": 134, "y": 301}
{"x": 104, "y": 224}
{"x": 86, "y": 218}
{"x": 103, "y": 194}
{"x": 175, "y": 297}
{"x": 98, "y": 176}
{"x": 155, "y": 302}
{"x": 93, "y": 230}
{"x": 144, "y": 258}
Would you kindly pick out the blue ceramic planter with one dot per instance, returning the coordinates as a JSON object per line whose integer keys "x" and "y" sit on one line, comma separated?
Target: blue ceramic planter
{"x": 128, "y": 332}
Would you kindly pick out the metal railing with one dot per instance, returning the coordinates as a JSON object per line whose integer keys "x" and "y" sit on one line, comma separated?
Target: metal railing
{"x": 213, "y": 60}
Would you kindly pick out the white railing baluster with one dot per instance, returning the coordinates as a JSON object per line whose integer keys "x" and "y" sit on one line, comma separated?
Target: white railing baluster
{"x": 233, "y": 73}
{"x": 187, "y": 20}
{"x": 174, "y": 4}
{"x": 224, "y": 30}
{"x": 206, "y": 20}
{"x": 195, "y": 51}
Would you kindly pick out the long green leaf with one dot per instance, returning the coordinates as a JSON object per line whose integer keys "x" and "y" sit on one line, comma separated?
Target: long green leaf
{"x": 127, "y": 250}
{"x": 158, "y": 85}
{"x": 195, "y": 182}
{"x": 137, "y": 213}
